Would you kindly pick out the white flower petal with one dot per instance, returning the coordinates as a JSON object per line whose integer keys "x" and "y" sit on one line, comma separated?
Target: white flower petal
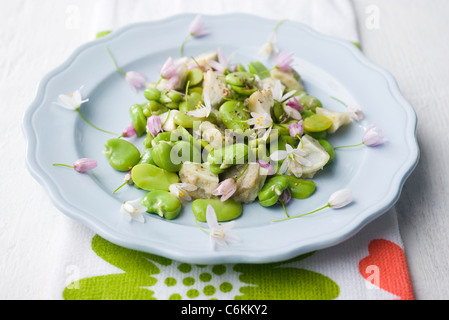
{"x": 284, "y": 167}
{"x": 340, "y": 199}
{"x": 220, "y": 241}
{"x": 217, "y": 66}
{"x": 288, "y": 95}
{"x": 139, "y": 217}
{"x": 289, "y": 149}
{"x": 299, "y": 152}
{"x": 279, "y": 155}
{"x": 296, "y": 169}
{"x": 231, "y": 238}
{"x": 211, "y": 217}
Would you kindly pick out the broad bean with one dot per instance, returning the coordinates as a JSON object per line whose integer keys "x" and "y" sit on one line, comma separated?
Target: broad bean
{"x": 165, "y": 204}
{"x": 190, "y": 102}
{"x": 272, "y": 190}
{"x": 240, "y": 79}
{"x": 229, "y": 155}
{"x": 150, "y": 177}
{"x": 146, "y": 156}
{"x": 122, "y": 155}
{"x": 300, "y": 188}
{"x": 195, "y": 77}
{"x": 317, "y": 123}
{"x": 225, "y": 210}
{"x": 234, "y": 115}
{"x": 138, "y": 118}
{"x": 154, "y": 108}
{"x": 152, "y": 94}
{"x": 310, "y": 103}
{"x": 161, "y": 154}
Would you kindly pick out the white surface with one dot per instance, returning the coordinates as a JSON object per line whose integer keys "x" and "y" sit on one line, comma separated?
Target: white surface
{"x": 409, "y": 42}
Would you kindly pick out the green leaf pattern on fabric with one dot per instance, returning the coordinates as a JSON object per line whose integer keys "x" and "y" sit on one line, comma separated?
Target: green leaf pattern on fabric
{"x": 148, "y": 277}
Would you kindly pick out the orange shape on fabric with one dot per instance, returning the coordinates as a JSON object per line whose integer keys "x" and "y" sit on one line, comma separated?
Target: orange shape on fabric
{"x": 386, "y": 268}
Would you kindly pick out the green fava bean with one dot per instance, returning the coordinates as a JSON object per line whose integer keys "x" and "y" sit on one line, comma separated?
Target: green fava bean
{"x": 152, "y": 94}
{"x": 147, "y": 142}
{"x": 225, "y": 210}
{"x": 307, "y": 113}
{"x": 310, "y": 103}
{"x": 300, "y": 188}
{"x": 172, "y": 105}
{"x": 165, "y": 204}
{"x": 234, "y": 115}
{"x": 122, "y": 155}
{"x": 329, "y": 148}
{"x": 150, "y": 177}
{"x": 240, "y": 79}
{"x": 183, "y": 151}
{"x": 190, "y": 102}
{"x": 272, "y": 190}
{"x": 244, "y": 91}
{"x": 162, "y": 157}
{"x": 138, "y": 119}
{"x": 317, "y": 135}
{"x": 163, "y": 136}
{"x": 146, "y": 156}
{"x": 174, "y": 96}
{"x": 317, "y": 123}
{"x": 278, "y": 113}
{"x": 154, "y": 108}
{"x": 229, "y": 155}
{"x": 195, "y": 76}
{"x": 184, "y": 120}
{"x": 198, "y": 90}
{"x": 282, "y": 129}
{"x": 216, "y": 169}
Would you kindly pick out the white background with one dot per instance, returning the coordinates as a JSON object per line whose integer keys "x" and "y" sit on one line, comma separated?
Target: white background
{"x": 410, "y": 41}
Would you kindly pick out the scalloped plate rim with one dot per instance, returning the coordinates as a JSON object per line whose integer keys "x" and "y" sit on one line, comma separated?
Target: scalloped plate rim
{"x": 223, "y": 256}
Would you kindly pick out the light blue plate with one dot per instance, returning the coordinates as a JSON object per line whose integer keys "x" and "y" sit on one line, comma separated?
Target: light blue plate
{"x": 329, "y": 67}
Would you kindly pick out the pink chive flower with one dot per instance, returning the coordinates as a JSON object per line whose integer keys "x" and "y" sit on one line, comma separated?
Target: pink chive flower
{"x": 195, "y": 66}
{"x": 223, "y": 63}
{"x": 81, "y": 165}
{"x": 225, "y": 189}
{"x": 154, "y": 125}
{"x": 372, "y": 137}
{"x": 197, "y": 28}
{"x": 284, "y": 60}
{"x": 356, "y": 113}
{"x": 135, "y": 80}
{"x": 170, "y": 69}
{"x": 172, "y": 83}
{"x": 295, "y": 104}
{"x": 129, "y": 131}
{"x": 268, "y": 167}
{"x": 84, "y": 164}
{"x": 296, "y": 129}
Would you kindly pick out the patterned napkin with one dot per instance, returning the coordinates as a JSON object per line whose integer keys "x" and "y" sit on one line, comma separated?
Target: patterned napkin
{"x": 369, "y": 266}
